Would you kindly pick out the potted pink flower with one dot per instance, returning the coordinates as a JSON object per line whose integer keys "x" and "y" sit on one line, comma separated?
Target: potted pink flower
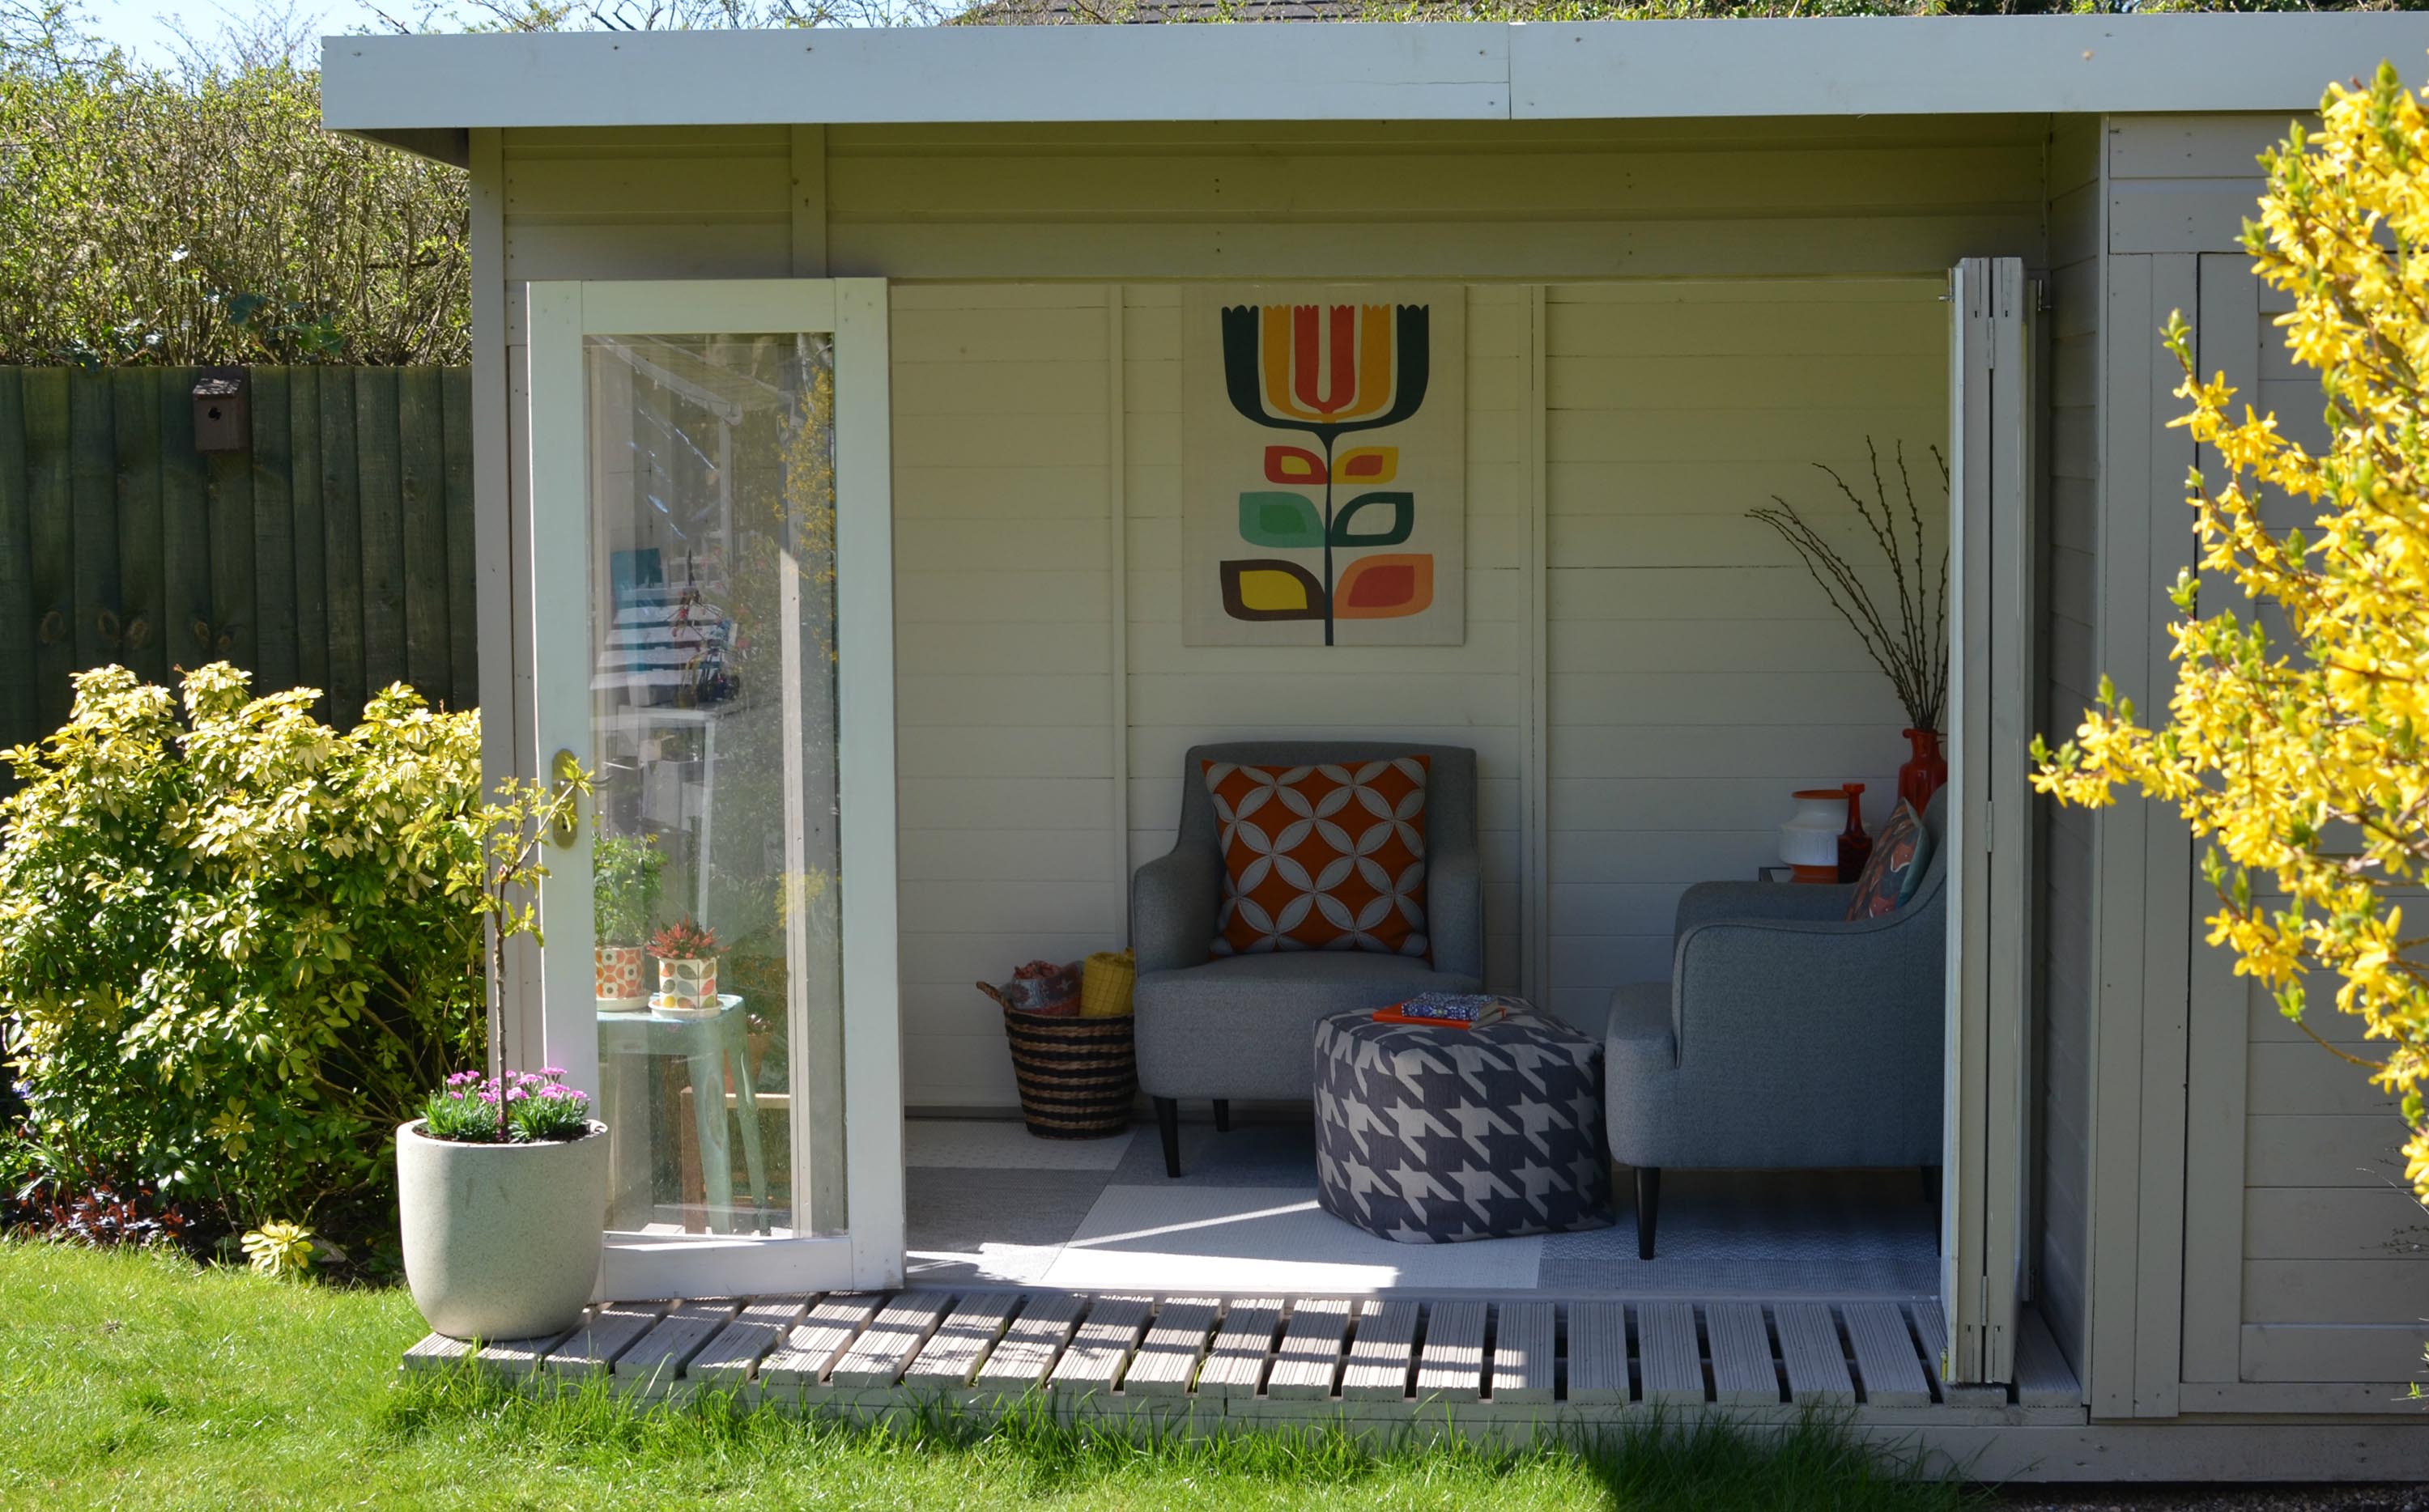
{"x": 686, "y": 955}
{"x": 502, "y": 1182}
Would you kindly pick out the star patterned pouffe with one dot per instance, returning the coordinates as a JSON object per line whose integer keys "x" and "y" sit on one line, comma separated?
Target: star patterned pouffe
{"x": 1432, "y": 1135}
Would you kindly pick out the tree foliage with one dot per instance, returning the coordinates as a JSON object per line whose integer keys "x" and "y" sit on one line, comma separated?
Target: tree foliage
{"x": 200, "y": 214}
{"x": 238, "y": 946}
{"x": 2301, "y": 754}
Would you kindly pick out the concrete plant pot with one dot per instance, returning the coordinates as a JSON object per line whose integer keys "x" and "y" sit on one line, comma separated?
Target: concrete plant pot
{"x": 502, "y": 1240}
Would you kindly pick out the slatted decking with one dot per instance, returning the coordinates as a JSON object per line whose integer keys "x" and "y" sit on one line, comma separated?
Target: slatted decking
{"x": 1363, "y": 1361}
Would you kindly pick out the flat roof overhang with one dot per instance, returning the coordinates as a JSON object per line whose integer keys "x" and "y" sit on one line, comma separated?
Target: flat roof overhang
{"x": 422, "y": 92}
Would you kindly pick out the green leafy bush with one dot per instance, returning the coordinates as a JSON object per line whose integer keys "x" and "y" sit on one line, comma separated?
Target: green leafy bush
{"x": 238, "y": 946}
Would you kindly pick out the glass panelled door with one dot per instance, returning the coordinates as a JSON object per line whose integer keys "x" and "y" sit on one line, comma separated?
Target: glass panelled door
{"x": 711, "y": 584}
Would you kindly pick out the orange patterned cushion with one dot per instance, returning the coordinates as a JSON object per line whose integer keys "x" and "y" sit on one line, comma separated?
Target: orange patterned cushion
{"x": 1322, "y": 857}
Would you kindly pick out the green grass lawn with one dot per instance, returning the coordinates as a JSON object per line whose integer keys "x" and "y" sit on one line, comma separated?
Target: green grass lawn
{"x": 143, "y": 1380}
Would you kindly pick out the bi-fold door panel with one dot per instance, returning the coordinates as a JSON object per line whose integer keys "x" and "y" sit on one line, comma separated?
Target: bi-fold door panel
{"x": 1992, "y": 586}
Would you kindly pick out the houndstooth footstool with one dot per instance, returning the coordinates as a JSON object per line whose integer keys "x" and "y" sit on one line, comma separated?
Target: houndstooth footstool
{"x": 1431, "y": 1135}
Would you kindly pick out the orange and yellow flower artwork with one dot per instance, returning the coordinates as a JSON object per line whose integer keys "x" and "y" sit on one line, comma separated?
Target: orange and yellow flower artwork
{"x": 1324, "y": 466}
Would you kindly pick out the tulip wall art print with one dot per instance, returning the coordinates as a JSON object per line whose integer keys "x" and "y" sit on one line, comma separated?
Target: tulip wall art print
{"x": 1323, "y": 465}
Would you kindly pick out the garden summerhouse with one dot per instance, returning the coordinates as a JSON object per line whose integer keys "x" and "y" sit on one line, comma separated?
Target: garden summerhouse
{"x": 900, "y": 453}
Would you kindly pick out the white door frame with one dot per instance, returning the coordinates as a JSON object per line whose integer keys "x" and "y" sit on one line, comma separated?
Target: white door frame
{"x": 1991, "y": 583}
{"x": 559, "y": 317}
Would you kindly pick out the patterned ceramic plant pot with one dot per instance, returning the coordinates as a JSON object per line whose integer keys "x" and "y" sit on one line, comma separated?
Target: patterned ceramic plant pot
{"x": 687, "y": 986}
{"x": 618, "y": 970}
{"x": 502, "y": 1240}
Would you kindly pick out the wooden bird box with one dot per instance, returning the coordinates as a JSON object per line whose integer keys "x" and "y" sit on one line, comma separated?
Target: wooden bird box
{"x": 221, "y": 421}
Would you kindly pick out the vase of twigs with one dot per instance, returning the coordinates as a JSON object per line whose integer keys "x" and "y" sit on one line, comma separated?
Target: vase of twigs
{"x": 1906, "y": 636}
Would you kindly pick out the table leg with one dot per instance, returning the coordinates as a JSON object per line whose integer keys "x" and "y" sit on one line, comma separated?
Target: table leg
{"x": 738, "y": 1056}
{"x": 715, "y": 1157}
{"x": 624, "y": 1101}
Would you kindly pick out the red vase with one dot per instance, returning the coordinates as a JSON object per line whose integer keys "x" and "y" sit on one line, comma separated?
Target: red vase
{"x": 1925, "y": 771}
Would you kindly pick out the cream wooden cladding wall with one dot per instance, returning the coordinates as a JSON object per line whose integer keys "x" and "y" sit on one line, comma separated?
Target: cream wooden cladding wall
{"x": 1697, "y": 674}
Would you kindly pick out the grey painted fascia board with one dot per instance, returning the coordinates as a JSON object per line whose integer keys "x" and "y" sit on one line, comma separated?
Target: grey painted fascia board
{"x": 1362, "y": 71}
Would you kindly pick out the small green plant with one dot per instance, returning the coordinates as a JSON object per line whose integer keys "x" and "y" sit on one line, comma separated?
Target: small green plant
{"x": 625, "y": 876}
{"x": 684, "y": 941}
{"x": 279, "y": 1250}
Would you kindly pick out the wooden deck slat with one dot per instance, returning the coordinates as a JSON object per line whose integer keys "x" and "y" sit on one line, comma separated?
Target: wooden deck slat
{"x": 436, "y": 1352}
{"x": 1886, "y": 1362}
{"x": 1092, "y": 1363}
{"x": 1667, "y": 1357}
{"x": 1312, "y": 1350}
{"x": 892, "y": 1340}
{"x": 1029, "y": 1348}
{"x": 1809, "y": 1348}
{"x": 2042, "y": 1377}
{"x": 1523, "y": 1343}
{"x": 734, "y": 1354}
{"x": 1167, "y": 1362}
{"x": 592, "y": 1349}
{"x": 1236, "y": 1365}
{"x": 523, "y": 1356}
{"x": 1742, "y": 1373}
{"x": 952, "y": 1356}
{"x": 1451, "y": 1365}
{"x": 660, "y": 1355}
{"x": 1598, "y": 1353}
{"x": 819, "y": 1339}
{"x": 1382, "y": 1354}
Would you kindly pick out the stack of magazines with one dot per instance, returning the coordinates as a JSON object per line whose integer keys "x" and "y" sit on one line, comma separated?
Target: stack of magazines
{"x": 1461, "y": 1010}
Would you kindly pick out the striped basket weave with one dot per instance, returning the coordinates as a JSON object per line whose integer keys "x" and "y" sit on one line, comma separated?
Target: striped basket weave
{"x": 1078, "y": 1075}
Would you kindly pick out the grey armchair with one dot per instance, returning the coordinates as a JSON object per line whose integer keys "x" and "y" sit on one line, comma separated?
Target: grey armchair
{"x": 1244, "y": 1026}
{"x": 1788, "y": 1036}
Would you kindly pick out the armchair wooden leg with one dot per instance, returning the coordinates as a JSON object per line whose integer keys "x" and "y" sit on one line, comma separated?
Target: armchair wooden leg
{"x": 1167, "y": 1123}
{"x": 1649, "y": 1208}
{"x": 1222, "y": 1115}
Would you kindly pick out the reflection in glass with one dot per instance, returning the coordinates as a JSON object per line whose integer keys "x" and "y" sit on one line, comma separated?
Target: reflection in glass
{"x": 713, "y": 726}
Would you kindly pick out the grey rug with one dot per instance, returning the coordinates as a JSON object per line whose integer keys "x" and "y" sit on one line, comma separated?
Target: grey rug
{"x": 1722, "y": 1233}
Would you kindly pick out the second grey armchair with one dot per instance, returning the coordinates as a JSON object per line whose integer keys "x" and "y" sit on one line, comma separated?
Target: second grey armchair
{"x": 1788, "y": 1037}
{"x": 1244, "y": 1026}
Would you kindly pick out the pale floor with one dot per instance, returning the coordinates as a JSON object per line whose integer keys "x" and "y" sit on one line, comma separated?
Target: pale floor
{"x": 988, "y": 1204}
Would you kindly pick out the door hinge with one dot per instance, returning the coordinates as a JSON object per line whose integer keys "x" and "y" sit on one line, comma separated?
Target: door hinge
{"x": 2043, "y": 300}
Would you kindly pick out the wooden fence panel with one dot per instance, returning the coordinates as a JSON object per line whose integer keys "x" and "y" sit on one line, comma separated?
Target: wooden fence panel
{"x": 51, "y": 548}
{"x": 336, "y": 553}
{"x": 311, "y": 545}
{"x": 274, "y": 532}
{"x": 186, "y": 630}
{"x": 18, "y": 713}
{"x": 141, "y": 607}
{"x": 379, "y": 468}
{"x": 422, "y": 474}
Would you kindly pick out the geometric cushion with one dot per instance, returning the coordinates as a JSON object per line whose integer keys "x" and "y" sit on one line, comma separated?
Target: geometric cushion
{"x": 1900, "y": 856}
{"x": 1328, "y": 857}
{"x": 1431, "y": 1135}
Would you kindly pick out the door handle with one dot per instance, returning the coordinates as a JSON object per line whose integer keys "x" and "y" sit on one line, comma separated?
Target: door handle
{"x": 567, "y": 827}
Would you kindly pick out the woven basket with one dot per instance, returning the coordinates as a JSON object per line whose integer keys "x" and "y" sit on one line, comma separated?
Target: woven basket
{"x": 1077, "y": 1076}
